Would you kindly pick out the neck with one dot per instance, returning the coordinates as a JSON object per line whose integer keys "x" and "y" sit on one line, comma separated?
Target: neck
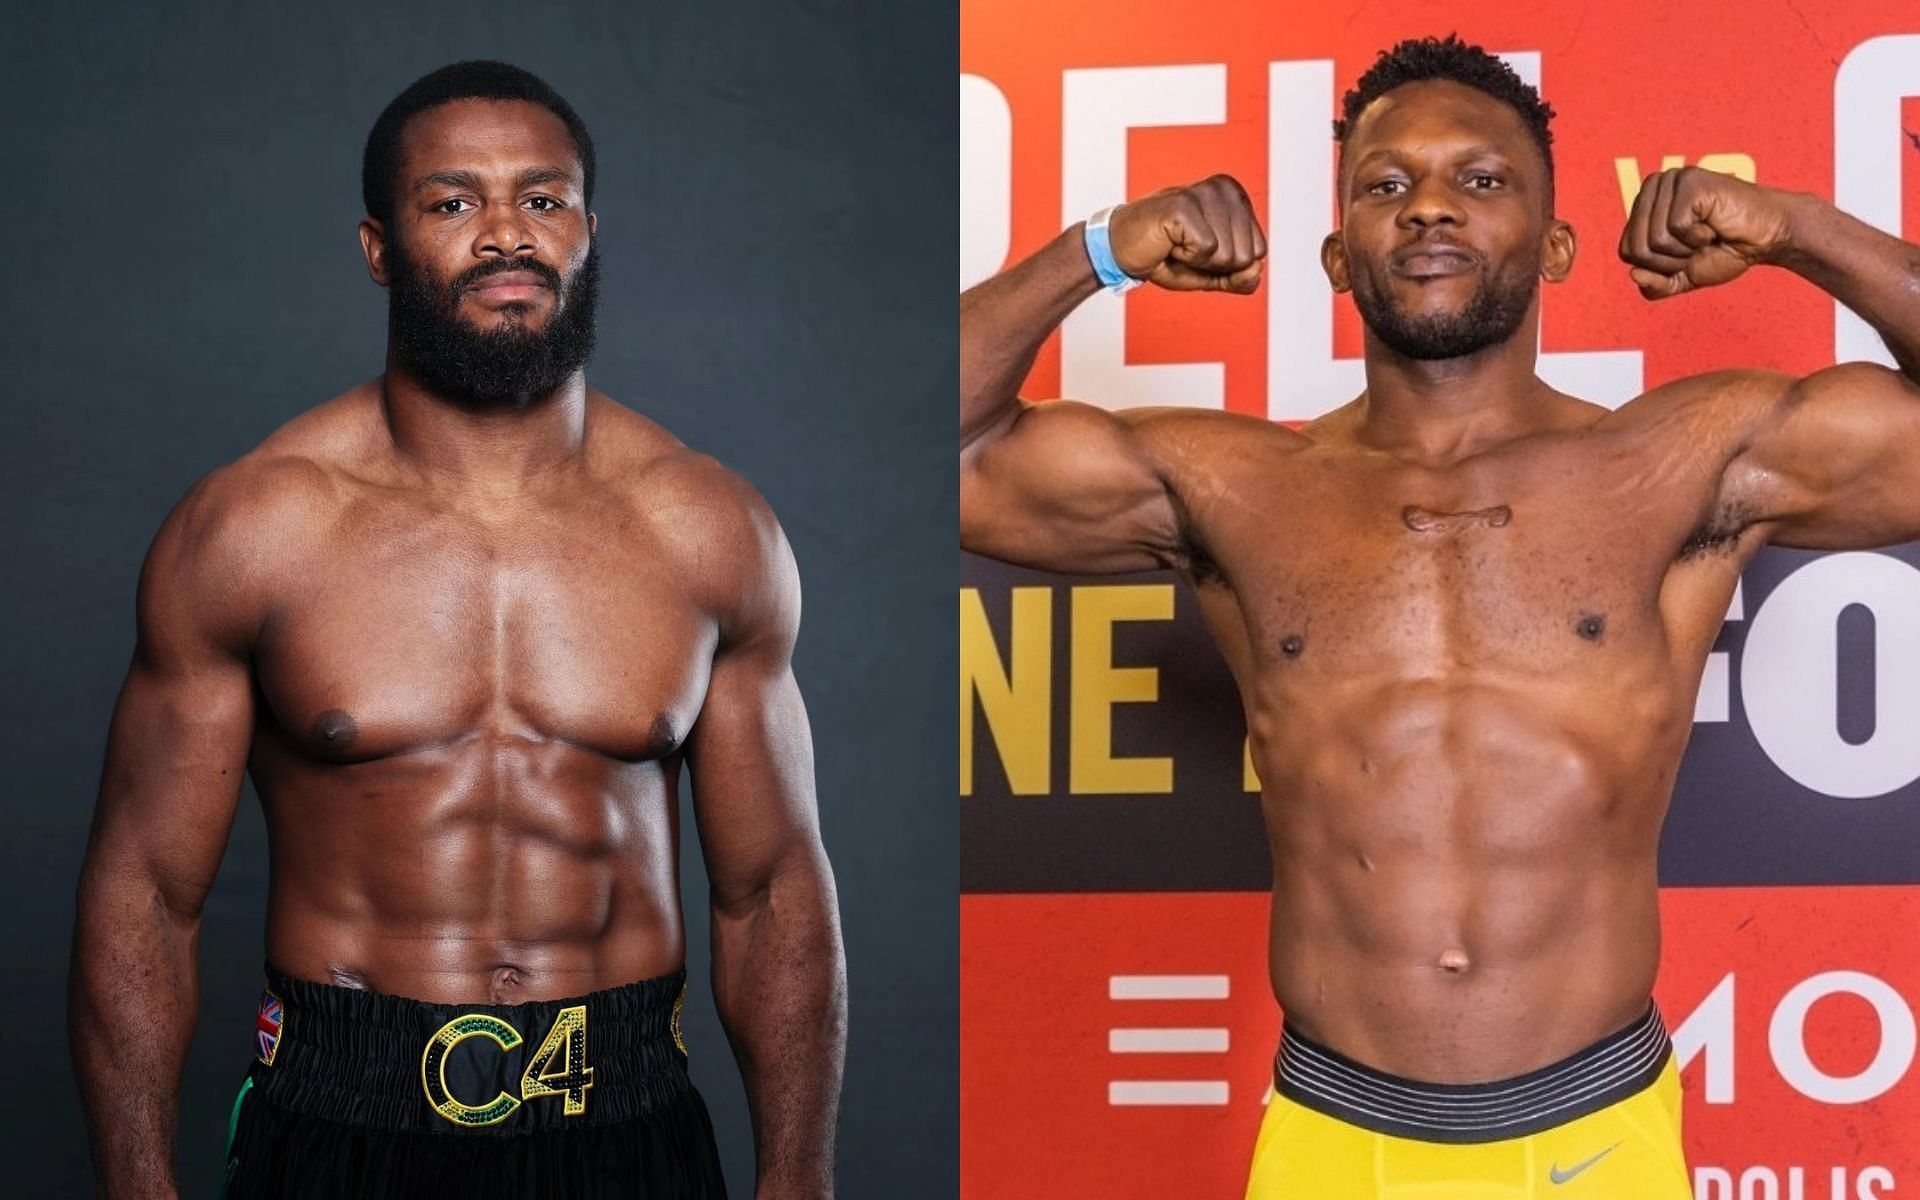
{"x": 1440, "y": 410}
{"x": 497, "y": 448}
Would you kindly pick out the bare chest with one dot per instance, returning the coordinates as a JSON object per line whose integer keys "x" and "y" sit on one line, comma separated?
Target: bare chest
{"x": 1530, "y": 564}
{"x": 415, "y": 630}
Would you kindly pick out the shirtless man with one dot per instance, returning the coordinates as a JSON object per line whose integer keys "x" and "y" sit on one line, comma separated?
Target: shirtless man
{"x": 1467, "y": 614}
{"x": 465, "y": 625}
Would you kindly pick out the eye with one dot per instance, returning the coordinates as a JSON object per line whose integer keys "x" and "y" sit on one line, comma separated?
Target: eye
{"x": 545, "y": 204}
{"x": 445, "y": 206}
{"x": 1483, "y": 181}
{"x": 1386, "y": 187}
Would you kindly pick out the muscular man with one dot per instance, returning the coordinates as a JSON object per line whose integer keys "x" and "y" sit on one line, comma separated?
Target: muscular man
{"x": 1467, "y": 614}
{"x": 465, "y": 625}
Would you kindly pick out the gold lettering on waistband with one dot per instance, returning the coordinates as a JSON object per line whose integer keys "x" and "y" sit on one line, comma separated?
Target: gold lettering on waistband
{"x": 566, "y": 1046}
{"x": 433, "y": 1069}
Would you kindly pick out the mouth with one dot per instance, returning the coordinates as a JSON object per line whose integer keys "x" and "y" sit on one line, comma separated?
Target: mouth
{"x": 1434, "y": 260}
{"x": 508, "y": 286}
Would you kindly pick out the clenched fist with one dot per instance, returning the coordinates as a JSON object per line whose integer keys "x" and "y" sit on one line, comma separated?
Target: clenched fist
{"x": 1691, "y": 228}
{"x": 1202, "y": 237}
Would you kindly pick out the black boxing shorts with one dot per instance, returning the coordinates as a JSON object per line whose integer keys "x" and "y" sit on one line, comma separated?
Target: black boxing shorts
{"x": 358, "y": 1094}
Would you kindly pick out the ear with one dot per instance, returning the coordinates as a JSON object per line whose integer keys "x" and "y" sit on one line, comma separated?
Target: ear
{"x": 593, "y": 224}
{"x": 373, "y": 244}
{"x": 1556, "y": 257}
{"x": 1333, "y": 260}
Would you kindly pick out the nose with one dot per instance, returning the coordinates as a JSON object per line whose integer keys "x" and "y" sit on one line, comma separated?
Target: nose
{"x": 1429, "y": 202}
{"x": 503, "y": 234}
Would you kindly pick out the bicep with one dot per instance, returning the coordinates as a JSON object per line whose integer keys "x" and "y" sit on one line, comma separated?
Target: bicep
{"x": 177, "y": 745}
{"x": 176, "y": 756}
{"x": 1836, "y": 465}
{"x": 750, "y": 755}
{"x": 750, "y": 751}
{"x": 1067, "y": 486}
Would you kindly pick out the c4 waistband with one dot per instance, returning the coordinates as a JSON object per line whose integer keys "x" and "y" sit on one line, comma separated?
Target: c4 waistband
{"x": 384, "y": 1062}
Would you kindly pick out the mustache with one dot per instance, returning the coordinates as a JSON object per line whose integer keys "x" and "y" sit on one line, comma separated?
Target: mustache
{"x": 501, "y": 266}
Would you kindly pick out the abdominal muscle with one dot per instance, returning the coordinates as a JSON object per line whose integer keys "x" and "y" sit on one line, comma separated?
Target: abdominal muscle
{"x": 1465, "y": 880}
{"x": 440, "y": 878}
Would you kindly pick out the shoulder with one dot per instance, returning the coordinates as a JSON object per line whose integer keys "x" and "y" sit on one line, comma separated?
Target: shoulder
{"x": 233, "y": 538}
{"x": 1203, "y": 430}
{"x": 1723, "y": 409}
{"x": 713, "y": 527}
{"x": 721, "y": 511}
{"x": 688, "y": 496}
{"x": 300, "y": 473}
{"x": 1194, "y": 448}
{"x": 743, "y": 566}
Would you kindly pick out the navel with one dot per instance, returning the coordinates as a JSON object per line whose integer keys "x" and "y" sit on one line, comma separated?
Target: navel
{"x": 504, "y": 984}
{"x": 1454, "y": 962}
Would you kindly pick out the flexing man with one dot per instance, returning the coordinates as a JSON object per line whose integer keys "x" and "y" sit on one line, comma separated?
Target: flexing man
{"x": 1467, "y": 614}
{"x": 464, "y": 625}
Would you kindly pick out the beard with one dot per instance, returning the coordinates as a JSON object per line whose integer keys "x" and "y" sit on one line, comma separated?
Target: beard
{"x": 1490, "y": 316}
{"x": 508, "y": 366}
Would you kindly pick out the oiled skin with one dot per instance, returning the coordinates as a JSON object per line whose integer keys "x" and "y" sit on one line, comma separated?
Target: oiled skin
{"x": 1466, "y": 739}
{"x": 469, "y": 724}
{"x": 465, "y": 701}
{"x": 1466, "y": 736}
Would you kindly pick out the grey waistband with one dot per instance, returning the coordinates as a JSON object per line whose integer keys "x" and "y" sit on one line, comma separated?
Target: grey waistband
{"x": 1610, "y": 1070}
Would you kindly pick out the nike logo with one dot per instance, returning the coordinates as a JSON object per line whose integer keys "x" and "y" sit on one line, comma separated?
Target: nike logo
{"x": 1558, "y": 1176}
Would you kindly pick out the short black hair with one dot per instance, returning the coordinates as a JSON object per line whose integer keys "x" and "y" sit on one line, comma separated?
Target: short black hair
{"x": 474, "y": 80}
{"x": 1451, "y": 59}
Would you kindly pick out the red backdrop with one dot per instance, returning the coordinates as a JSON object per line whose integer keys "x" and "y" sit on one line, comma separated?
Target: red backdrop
{"x": 1790, "y": 909}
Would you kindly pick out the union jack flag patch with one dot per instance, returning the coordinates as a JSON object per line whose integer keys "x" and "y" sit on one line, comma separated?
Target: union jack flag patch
{"x": 267, "y": 1028}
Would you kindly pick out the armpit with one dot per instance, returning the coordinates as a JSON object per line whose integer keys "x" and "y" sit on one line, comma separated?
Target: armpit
{"x": 1720, "y": 532}
{"x": 1194, "y": 560}
{"x": 1188, "y": 554}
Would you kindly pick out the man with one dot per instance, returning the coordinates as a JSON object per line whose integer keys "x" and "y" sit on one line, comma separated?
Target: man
{"x": 1467, "y": 614}
{"x": 465, "y": 624}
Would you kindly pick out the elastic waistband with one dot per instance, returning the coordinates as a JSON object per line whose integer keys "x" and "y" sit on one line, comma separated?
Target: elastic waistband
{"x": 385, "y": 1062}
{"x": 1605, "y": 1073}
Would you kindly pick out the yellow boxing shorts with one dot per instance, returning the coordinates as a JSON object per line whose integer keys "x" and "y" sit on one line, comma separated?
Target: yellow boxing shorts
{"x": 1602, "y": 1124}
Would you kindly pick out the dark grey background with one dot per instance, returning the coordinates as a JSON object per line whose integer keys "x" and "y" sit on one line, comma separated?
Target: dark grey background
{"x": 777, "y": 223}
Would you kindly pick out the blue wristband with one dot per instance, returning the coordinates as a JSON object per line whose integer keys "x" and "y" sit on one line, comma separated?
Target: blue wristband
{"x": 1100, "y": 251}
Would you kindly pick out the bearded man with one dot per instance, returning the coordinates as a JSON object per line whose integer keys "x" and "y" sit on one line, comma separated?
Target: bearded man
{"x": 465, "y": 625}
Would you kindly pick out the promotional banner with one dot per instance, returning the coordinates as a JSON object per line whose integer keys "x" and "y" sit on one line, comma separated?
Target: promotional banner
{"x": 1117, "y": 1024}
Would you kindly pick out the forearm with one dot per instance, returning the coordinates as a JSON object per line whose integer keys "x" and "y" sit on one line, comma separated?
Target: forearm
{"x": 132, "y": 996}
{"x": 780, "y": 986}
{"x": 1873, "y": 273}
{"x": 1005, "y": 321}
